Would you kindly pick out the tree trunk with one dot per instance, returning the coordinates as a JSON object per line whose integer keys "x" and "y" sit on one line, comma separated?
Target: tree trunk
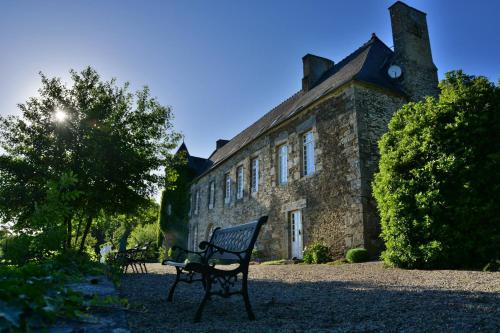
{"x": 78, "y": 232}
{"x": 67, "y": 221}
{"x": 85, "y": 233}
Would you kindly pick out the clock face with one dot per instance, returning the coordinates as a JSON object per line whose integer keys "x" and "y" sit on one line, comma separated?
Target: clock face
{"x": 394, "y": 71}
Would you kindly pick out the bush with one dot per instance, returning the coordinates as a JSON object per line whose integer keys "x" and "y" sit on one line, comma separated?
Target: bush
{"x": 316, "y": 254}
{"x": 357, "y": 255}
{"x": 257, "y": 255}
{"x": 176, "y": 255}
{"x": 16, "y": 249}
{"x": 143, "y": 234}
{"x": 438, "y": 187}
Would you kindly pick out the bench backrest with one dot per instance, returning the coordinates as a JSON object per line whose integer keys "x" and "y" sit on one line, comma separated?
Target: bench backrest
{"x": 240, "y": 238}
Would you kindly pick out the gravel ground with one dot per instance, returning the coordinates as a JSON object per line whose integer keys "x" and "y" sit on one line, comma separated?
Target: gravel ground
{"x": 321, "y": 298}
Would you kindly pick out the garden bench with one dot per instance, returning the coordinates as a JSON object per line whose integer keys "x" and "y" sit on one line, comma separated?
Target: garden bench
{"x": 135, "y": 258}
{"x": 227, "y": 246}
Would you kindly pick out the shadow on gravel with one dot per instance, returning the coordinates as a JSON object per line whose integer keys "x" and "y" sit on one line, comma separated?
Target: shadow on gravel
{"x": 333, "y": 306}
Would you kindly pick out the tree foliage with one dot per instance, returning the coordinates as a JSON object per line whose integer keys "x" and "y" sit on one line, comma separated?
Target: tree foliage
{"x": 438, "y": 188}
{"x": 112, "y": 142}
{"x": 117, "y": 229}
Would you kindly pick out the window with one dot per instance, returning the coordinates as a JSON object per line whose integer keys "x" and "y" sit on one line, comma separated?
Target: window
{"x": 239, "y": 182}
{"x": 308, "y": 154}
{"x": 283, "y": 164}
{"x": 254, "y": 176}
{"x": 227, "y": 192}
{"x": 211, "y": 195}
{"x": 196, "y": 202}
{"x": 195, "y": 237}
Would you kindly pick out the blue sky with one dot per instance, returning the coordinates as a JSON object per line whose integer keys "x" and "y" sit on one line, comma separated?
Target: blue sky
{"x": 220, "y": 64}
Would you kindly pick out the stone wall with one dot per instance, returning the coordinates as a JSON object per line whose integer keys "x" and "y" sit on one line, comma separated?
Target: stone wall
{"x": 330, "y": 199}
{"x": 374, "y": 109}
{"x": 336, "y": 201}
{"x": 412, "y": 51}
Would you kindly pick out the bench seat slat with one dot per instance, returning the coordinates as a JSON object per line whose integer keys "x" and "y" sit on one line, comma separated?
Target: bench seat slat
{"x": 175, "y": 263}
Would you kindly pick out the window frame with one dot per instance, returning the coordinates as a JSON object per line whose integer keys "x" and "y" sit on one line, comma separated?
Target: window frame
{"x": 240, "y": 182}
{"x": 211, "y": 194}
{"x": 196, "y": 210}
{"x": 308, "y": 154}
{"x": 227, "y": 188}
{"x": 254, "y": 175}
{"x": 283, "y": 169}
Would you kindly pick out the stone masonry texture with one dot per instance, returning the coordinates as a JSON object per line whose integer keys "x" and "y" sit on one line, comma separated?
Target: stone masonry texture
{"x": 337, "y": 209}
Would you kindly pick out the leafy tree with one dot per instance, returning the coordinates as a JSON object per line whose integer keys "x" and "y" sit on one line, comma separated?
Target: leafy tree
{"x": 143, "y": 234}
{"x": 438, "y": 188}
{"x": 116, "y": 229}
{"x": 111, "y": 140}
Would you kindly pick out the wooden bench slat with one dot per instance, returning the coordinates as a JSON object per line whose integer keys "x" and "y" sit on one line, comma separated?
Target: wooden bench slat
{"x": 174, "y": 263}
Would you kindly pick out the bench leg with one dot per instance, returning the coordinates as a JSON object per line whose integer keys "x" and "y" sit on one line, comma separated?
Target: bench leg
{"x": 208, "y": 286}
{"x": 172, "y": 289}
{"x": 244, "y": 291}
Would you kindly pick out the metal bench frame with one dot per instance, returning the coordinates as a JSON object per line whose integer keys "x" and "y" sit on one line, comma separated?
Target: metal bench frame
{"x": 232, "y": 245}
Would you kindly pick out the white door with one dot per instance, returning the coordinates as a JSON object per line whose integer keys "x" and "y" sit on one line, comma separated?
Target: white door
{"x": 296, "y": 234}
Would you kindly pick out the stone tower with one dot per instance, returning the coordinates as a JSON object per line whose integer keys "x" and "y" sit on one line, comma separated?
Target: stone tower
{"x": 412, "y": 50}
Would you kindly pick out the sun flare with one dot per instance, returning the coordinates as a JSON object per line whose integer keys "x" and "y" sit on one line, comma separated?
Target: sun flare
{"x": 60, "y": 116}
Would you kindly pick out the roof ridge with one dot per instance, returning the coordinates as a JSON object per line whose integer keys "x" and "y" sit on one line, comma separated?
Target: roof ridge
{"x": 347, "y": 69}
{"x": 357, "y": 51}
{"x": 286, "y": 100}
{"x": 268, "y": 112}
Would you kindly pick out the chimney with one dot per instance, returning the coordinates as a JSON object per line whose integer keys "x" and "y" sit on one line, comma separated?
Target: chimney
{"x": 412, "y": 51}
{"x": 220, "y": 143}
{"x": 314, "y": 68}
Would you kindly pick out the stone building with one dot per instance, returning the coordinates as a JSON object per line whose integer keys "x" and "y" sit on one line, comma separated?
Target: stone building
{"x": 309, "y": 162}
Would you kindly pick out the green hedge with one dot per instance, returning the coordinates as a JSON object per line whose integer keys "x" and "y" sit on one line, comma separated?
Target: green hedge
{"x": 357, "y": 255}
{"x": 316, "y": 254}
{"x": 438, "y": 188}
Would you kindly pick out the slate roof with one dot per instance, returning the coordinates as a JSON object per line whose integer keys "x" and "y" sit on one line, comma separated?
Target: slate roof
{"x": 369, "y": 63}
{"x": 196, "y": 164}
